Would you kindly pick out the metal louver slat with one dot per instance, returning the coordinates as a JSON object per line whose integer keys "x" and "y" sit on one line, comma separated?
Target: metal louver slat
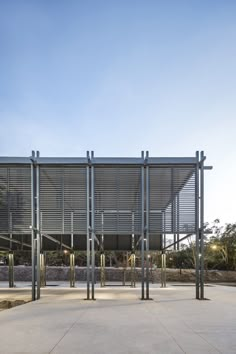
{"x": 19, "y": 198}
{"x": 172, "y": 199}
{"x": 75, "y": 199}
{"x": 118, "y": 197}
{"x": 4, "y": 213}
{"x": 63, "y": 202}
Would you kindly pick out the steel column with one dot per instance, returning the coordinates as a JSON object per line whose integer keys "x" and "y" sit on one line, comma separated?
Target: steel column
{"x": 10, "y": 224}
{"x": 163, "y": 236}
{"x": 197, "y": 223}
{"x": 33, "y": 226}
{"x": 142, "y": 230}
{"x": 93, "y": 231}
{"x": 132, "y": 257}
{"x": 202, "y": 227}
{"x": 177, "y": 214}
{"x": 72, "y": 231}
{"x": 88, "y": 233}
{"x": 102, "y": 256}
{"x": 38, "y": 232}
{"x": 147, "y": 232}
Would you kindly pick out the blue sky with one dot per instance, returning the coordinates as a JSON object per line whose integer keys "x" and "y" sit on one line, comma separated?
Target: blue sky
{"x": 118, "y": 77}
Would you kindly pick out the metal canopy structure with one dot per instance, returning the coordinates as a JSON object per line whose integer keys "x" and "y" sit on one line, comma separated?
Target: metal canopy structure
{"x": 101, "y": 204}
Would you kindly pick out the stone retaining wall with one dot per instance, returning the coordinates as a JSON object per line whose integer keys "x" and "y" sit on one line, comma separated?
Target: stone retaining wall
{"x": 23, "y": 273}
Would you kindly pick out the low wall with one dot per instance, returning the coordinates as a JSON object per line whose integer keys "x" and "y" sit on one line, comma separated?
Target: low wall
{"x": 23, "y": 273}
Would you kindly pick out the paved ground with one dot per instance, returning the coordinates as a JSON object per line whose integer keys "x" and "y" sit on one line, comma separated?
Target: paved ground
{"x": 119, "y": 322}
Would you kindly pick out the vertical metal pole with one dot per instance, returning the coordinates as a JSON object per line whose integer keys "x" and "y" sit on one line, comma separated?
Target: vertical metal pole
{"x": 45, "y": 268}
{"x": 72, "y": 231}
{"x": 178, "y": 221}
{"x": 163, "y": 240}
{"x": 202, "y": 227}
{"x": 142, "y": 229}
{"x": 102, "y": 256}
{"x": 173, "y": 207}
{"x": 147, "y": 233}
{"x": 88, "y": 233}
{"x": 63, "y": 200}
{"x": 11, "y": 269}
{"x": 197, "y": 222}
{"x": 93, "y": 231}
{"x": 72, "y": 270}
{"x": 33, "y": 225}
{"x": 38, "y": 232}
{"x": 10, "y": 216}
{"x": 132, "y": 257}
{"x": 72, "y": 256}
{"x": 172, "y": 202}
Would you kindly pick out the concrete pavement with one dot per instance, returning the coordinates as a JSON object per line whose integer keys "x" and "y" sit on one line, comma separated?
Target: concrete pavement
{"x": 119, "y": 322}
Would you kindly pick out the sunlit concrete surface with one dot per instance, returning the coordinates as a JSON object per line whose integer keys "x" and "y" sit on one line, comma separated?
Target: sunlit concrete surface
{"x": 119, "y": 322}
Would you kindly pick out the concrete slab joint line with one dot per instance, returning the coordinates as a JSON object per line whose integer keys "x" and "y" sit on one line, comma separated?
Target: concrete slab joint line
{"x": 51, "y": 351}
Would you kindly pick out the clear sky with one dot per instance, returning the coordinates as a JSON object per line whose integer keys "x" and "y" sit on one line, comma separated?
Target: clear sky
{"x": 121, "y": 76}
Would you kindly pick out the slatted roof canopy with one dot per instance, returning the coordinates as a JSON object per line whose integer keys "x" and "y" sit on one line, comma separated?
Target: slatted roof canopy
{"x": 66, "y": 209}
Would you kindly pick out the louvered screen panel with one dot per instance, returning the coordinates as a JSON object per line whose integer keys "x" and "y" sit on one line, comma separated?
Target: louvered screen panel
{"x": 51, "y": 199}
{"x": 75, "y": 199}
{"x": 172, "y": 199}
{"x": 117, "y": 196}
{"x": 63, "y": 192}
{"x": 4, "y": 222}
{"x": 20, "y": 198}
{"x": 160, "y": 194}
{"x": 187, "y": 206}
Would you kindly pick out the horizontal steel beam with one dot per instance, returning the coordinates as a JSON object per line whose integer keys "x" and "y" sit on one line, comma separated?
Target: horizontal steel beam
{"x": 15, "y": 241}
{"x": 100, "y": 160}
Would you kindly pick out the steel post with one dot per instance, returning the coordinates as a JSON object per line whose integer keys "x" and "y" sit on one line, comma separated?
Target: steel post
{"x": 72, "y": 231}
{"x": 10, "y": 224}
{"x": 142, "y": 230}
{"x": 202, "y": 227}
{"x": 163, "y": 236}
{"x": 33, "y": 226}
{"x": 102, "y": 256}
{"x": 197, "y": 223}
{"x": 88, "y": 234}
{"x": 38, "y": 232}
{"x": 177, "y": 214}
{"x": 93, "y": 231}
{"x": 147, "y": 233}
